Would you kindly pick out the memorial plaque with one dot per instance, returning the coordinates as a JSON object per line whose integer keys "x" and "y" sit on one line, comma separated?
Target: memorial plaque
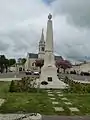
{"x": 49, "y": 79}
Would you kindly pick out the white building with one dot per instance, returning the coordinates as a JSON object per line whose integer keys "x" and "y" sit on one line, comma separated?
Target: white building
{"x": 82, "y": 67}
{"x": 85, "y": 67}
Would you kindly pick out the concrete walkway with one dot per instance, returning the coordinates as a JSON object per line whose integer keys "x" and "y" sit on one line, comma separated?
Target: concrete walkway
{"x": 82, "y": 81}
{"x": 55, "y": 102}
{"x": 44, "y": 117}
{"x": 9, "y": 79}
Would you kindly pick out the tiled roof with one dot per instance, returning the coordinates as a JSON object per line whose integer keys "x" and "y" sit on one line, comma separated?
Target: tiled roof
{"x": 34, "y": 55}
{"x": 58, "y": 58}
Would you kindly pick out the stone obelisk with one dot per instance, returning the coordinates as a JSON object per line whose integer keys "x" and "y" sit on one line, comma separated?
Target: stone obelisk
{"x": 49, "y": 70}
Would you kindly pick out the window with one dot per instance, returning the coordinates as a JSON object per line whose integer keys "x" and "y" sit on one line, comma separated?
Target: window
{"x": 32, "y": 64}
{"x": 42, "y": 48}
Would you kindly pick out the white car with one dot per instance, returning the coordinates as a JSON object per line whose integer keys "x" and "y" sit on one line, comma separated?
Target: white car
{"x": 36, "y": 73}
{"x": 28, "y": 72}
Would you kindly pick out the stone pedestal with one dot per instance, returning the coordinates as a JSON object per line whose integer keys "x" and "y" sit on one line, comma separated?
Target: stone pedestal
{"x": 49, "y": 74}
{"x": 49, "y": 70}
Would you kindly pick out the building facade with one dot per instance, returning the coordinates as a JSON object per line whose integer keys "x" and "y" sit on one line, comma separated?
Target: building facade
{"x": 83, "y": 67}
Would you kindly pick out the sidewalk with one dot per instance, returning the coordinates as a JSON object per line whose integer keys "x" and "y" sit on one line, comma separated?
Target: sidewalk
{"x": 66, "y": 117}
{"x": 44, "y": 117}
{"x": 9, "y": 79}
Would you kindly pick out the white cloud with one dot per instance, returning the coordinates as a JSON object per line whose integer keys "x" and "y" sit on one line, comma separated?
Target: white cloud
{"x": 76, "y": 11}
{"x": 21, "y": 22}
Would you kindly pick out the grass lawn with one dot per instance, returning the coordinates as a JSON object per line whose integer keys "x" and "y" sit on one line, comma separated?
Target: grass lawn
{"x": 82, "y": 102}
{"x": 40, "y": 102}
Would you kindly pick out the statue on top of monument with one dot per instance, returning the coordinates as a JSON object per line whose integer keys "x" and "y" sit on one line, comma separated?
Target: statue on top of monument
{"x": 49, "y": 16}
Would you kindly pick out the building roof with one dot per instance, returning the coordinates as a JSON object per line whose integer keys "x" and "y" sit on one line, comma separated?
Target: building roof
{"x": 34, "y": 55}
{"x": 58, "y": 58}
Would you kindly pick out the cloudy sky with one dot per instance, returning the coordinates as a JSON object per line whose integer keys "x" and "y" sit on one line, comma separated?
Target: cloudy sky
{"x": 21, "y": 22}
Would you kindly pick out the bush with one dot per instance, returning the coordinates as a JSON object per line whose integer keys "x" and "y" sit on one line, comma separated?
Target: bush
{"x": 24, "y": 85}
{"x": 77, "y": 87}
{"x": 12, "y": 86}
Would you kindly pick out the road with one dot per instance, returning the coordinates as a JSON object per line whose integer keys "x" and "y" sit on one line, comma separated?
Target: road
{"x": 77, "y": 77}
{"x": 22, "y": 74}
{"x": 13, "y": 74}
{"x": 66, "y": 118}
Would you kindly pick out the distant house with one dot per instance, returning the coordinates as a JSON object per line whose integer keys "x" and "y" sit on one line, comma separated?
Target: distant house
{"x": 17, "y": 67}
{"x": 81, "y": 67}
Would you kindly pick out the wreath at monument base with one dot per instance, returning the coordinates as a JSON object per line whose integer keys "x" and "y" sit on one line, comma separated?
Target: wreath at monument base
{"x": 44, "y": 82}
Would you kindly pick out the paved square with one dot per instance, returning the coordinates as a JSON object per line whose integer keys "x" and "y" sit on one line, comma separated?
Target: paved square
{"x": 58, "y": 109}
{"x": 54, "y": 103}
{"x": 60, "y": 95}
{"x": 50, "y": 95}
{"x": 74, "y": 109}
{"x": 68, "y": 103}
{"x": 64, "y": 99}
{"x": 52, "y": 98}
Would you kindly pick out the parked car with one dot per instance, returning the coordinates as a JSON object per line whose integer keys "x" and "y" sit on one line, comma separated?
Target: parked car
{"x": 85, "y": 73}
{"x": 36, "y": 73}
{"x": 10, "y": 71}
{"x": 28, "y": 72}
{"x": 73, "y": 72}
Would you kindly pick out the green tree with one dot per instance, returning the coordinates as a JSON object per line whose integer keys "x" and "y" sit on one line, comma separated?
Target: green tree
{"x": 2, "y": 63}
{"x": 12, "y": 86}
{"x": 5, "y": 63}
{"x": 12, "y": 62}
{"x": 23, "y": 60}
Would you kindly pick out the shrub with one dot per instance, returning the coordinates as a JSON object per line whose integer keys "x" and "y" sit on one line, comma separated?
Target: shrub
{"x": 12, "y": 86}
{"x": 77, "y": 87}
{"x": 24, "y": 85}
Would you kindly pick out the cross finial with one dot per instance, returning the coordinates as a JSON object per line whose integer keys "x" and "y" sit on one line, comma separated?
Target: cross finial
{"x": 49, "y": 16}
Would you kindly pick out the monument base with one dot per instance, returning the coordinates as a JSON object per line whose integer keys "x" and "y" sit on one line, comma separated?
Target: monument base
{"x": 54, "y": 85}
{"x": 49, "y": 78}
